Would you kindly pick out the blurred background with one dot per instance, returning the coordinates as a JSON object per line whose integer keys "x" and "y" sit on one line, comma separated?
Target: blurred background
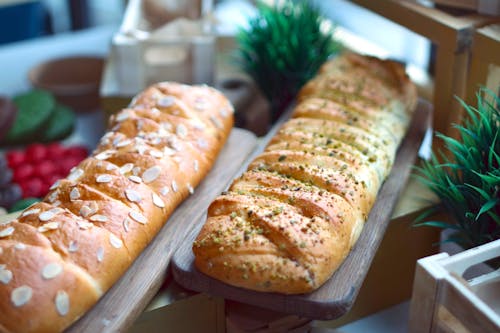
{"x": 121, "y": 42}
{"x": 26, "y": 19}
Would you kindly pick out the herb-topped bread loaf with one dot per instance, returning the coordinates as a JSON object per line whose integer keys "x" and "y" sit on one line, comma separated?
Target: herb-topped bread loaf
{"x": 290, "y": 220}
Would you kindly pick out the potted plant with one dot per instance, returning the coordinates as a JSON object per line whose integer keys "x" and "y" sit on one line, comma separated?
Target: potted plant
{"x": 466, "y": 177}
{"x": 283, "y": 47}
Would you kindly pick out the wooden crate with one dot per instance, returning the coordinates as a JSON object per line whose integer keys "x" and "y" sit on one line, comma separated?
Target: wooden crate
{"x": 485, "y": 62}
{"x": 488, "y": 7}
{"x": 453, "y": 37}
{"x": 443, "y": 301}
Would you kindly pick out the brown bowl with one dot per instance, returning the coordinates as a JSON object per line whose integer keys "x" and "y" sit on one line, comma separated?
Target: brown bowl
{"x": 74, "y": 81}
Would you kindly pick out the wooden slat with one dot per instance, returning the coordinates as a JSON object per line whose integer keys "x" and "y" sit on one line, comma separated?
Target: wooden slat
{"x": 485, "y": 51}
{"x": 423, "y": 299}
{"x": 467, "y": 4}
{"x": 124, "y": 302}
{"x": 458, "y": 301}
{"x": 337, "y": 295}
{"x": 443, "y": 301}
{"x": 450, "y": 79}
{"x": 488, "y": 40}
{"x": 443, "y": 29}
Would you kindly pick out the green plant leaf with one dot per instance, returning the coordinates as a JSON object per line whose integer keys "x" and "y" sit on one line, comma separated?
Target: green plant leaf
{"x": 487, "y": 206}
{"x": 466, "y": 175}
{"x": 482, "y": 192}
{"x": 283, "y": 48}
{"x": 437, "y": 224}
{"x": 489, "y": 178}
{"x": 427, "y": 212}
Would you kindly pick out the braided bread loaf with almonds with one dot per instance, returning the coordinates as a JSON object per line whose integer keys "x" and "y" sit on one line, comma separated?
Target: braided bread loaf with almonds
{"x": 60, "y": 255}
{"x": 290, "y": 220}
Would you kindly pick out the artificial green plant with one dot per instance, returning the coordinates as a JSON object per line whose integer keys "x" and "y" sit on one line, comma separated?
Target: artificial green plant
{"x": 283, "y": 47}
{"x": 467, "y": 179}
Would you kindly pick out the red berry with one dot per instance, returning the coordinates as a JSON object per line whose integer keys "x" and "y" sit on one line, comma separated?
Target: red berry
{"x": 15, "y": 158}
{"x": 77, "y": 151}
{"x": 23, "y": 172}
{"x": 36, "y": 152}
{"x": 67, "y": 164}
{"x": 45, "y": 168}
{"x": 55, "y": 150}
{"x": 45, "y": 189}
{"x": 52, "y": 178}
{"x": 32, "y": 188}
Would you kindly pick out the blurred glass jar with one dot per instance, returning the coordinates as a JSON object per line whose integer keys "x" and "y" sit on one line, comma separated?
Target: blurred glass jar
{"x": 165, "y": 40}
{"x": 179, "y": 51}
{"x": 161, "y": 12}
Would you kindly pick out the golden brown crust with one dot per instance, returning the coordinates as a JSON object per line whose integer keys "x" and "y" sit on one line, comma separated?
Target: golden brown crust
{"x": 259, "y": 232}
{"x": 290, "y": 220}
{"x": 63, "y": 253}
{"x": 389, "y": 73}
{"x": 71, "y": 284}
{"x": 367, "y": 119}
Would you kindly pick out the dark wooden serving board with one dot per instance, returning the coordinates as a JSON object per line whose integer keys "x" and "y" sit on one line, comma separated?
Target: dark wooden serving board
{"x": 117, "y": 310}
{"x": 337, "y": 295}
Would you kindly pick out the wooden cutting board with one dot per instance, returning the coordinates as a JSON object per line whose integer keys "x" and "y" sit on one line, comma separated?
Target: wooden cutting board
{"x": 117, "y": 310}
{"x": 337, "y": 295}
